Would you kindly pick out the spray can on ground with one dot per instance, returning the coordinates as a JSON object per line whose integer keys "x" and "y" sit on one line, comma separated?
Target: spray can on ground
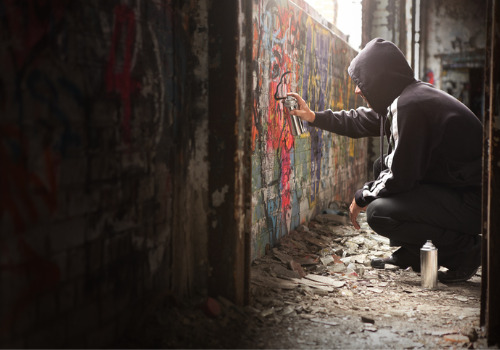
{"x": 429, "y": 265}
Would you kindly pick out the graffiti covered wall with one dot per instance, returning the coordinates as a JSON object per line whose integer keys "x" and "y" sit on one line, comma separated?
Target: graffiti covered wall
{"x": 98, "y": 159}
{"x": 296, "y": 177}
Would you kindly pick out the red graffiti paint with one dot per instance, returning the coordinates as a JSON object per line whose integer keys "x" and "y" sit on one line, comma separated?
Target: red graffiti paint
{"x": 279, "y": 36}
{"x": 118, "y": 76}
{"x": 429, "y": 77}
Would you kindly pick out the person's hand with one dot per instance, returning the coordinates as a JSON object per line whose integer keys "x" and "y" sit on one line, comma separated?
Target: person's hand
{"x": 354, "y": 211}
{"x": 303, "y": 112}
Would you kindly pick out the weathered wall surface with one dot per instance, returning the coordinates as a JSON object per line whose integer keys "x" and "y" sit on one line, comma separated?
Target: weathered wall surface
{"x": 454, "y": 36}
{"x": 122, "y": 177}
{"x": 103, "y": 164}
{"x": 294, "y": 178}
{"x": 388, "y": 19}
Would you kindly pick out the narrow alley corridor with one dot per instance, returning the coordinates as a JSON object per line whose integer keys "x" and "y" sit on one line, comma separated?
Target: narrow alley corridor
{"x": 317, "y": 290}
{"x": 154, "y": 194}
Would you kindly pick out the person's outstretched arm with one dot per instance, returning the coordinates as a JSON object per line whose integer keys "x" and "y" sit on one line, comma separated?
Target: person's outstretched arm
{"x": 355, "y": 123}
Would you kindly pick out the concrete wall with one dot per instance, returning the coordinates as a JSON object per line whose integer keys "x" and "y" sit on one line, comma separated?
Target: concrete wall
{"x": 104, "y": 165}
{"x": 295, "y": 178}
{"x": 454, "y": 38}
{"x": 388, "y": 19}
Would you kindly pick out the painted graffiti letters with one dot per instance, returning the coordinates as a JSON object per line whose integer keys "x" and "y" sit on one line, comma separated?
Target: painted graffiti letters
{"x": 291, "y": 188}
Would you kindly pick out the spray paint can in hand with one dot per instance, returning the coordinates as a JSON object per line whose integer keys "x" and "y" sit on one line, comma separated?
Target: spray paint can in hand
{"x": 429, "y": 265}
{"x": 294, "y": 122}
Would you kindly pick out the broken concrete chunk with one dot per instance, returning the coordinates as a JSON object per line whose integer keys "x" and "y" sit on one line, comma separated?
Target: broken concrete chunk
{"x": 332, "y": 218}
{"x": 370, "y": 328}
{"x": 267, "y": 312}
{"x": 360, "y": 270}
{"x": 327, "y": 260}
{"x": 288, "y": 310}
{"x": 456, "y": 338}
{"x": 314, "y": 240}
{"x": 321, "y": 292}
{"x": 295, "y": 266}
{"x": 328, "y": 322}
{"x": 326, "y": 280}
{"x": 346, "y": 293}
{"x": 314, "y": 285}
{"x": 325, "y": 251}
{"x": 337, "y": 267}
{"x": 284, "y": 258}
{"x": 307, "y": 260}
{"x": 285, "y": 273}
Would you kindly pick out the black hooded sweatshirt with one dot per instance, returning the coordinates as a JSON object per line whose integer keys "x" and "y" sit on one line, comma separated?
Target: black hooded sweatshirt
{"x": 433, "y": 137}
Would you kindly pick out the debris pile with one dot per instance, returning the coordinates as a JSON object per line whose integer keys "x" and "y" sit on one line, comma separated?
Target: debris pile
{"x": 316, "y": 289}
{"x": 321, "y": 274}
{"x": 323, "y": 256}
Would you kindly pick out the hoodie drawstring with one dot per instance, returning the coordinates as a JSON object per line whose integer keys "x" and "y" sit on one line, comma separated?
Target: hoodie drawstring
{"x": 382, "y": 134}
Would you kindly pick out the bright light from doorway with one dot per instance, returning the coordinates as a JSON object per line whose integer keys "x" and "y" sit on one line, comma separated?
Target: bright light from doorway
{"x": 348, "y": 18}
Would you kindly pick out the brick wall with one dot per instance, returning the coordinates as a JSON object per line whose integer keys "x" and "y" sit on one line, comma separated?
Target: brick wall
{"x": 103, "y": 146}
{"x": 295, "y": 178}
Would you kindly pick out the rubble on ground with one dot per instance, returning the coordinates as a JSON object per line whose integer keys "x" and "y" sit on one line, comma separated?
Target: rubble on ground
{"x": 316, "y": 289}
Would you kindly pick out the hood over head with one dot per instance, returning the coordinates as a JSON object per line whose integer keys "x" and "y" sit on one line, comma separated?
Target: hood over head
{"x": 381, "y": 71}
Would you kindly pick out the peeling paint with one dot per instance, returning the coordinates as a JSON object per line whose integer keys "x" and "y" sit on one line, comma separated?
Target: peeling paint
{"x": 218, "y": 197}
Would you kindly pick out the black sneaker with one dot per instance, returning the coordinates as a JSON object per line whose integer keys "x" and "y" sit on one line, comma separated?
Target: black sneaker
{"x": 379, "y": 263}
{"x": 403, "y": 258}
{"x": 454, "y": 276}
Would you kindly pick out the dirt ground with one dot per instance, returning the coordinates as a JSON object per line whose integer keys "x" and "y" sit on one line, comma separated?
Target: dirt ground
{"x": 316, "y": 290}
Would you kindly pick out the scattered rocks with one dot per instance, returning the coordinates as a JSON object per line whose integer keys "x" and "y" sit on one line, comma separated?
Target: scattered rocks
{"x": 338, "y": 281}
{"x": 316, "y": 289}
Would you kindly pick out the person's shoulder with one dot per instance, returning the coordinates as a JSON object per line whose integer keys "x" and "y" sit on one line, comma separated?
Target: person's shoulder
{"x": 421, "y": 95}
{"x": 425, "y": 101}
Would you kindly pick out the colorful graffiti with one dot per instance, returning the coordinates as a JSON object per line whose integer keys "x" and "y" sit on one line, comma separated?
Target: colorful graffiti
{"x": 295, "y": 177}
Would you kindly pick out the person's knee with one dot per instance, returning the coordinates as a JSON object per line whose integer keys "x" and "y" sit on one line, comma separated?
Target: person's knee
{"x": 373, "y": 212}
{"x": 378, "y": 217}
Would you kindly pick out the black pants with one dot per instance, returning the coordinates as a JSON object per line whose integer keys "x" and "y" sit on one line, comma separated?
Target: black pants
{"x": 451, "y": 218}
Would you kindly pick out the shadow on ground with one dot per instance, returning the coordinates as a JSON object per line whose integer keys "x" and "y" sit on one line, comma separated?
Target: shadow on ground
{"x": 316, "y": 289}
